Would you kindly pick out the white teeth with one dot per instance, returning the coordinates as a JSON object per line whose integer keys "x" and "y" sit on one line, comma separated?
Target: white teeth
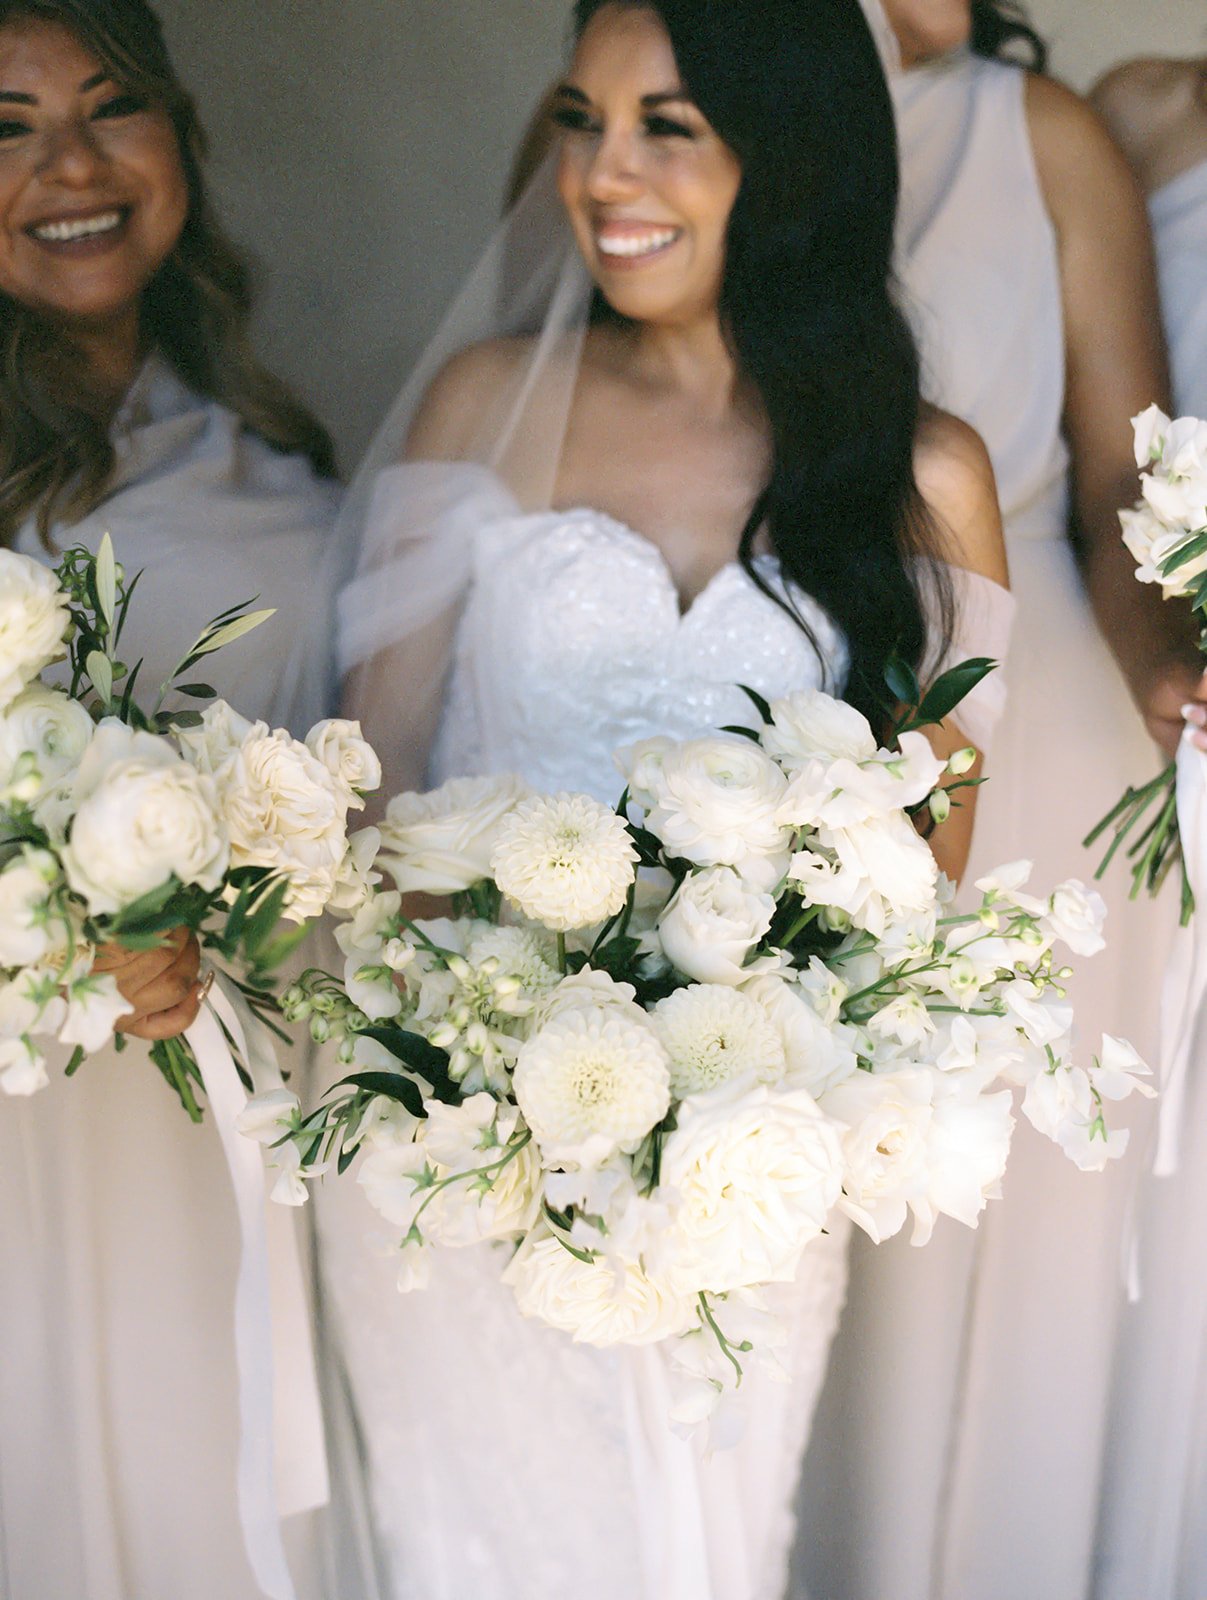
{"x": 640, "y": 244}
{"x": 81, "y": 228}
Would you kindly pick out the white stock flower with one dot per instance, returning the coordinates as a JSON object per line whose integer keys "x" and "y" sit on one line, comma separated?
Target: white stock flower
{"x": 593, "y": 1301}
{"x": 1077, "y": 916}
{"x": 590, "y": 1083}
{"x": 565, "y": 860}
{"x": 22, "y": 1067}
{"x": 810, "y": 725}
{"x": 819, "y": 1053}
{"x": 26, "y": 923}
{"x": 715, "y": 803}
{"x": 33, "y": 621}
{"x": 441, "y": 842}
{"x": 912, "y": 1142}
{"x": 712, "y": 924}
{"x": 142, "y": 815}
{"x": 94, "y": 1005}
{"x": 43, "y": 736}
{"x": 757, "y": 1171}
{"x": 712, "y": 1034}
{"x": 346, "y": 754}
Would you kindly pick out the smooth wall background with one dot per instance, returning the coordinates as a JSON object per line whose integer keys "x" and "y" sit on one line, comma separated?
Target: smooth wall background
{"x": 361, "y": 147}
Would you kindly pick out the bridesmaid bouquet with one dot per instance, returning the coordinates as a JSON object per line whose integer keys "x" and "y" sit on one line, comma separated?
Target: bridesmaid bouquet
{"x": 118, "y": 823}
{"x": 1166, "y": 532}
{"x": 655, "y": 1050}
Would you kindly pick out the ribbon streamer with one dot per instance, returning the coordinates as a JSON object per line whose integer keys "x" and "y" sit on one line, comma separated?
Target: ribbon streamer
{"x": 1186, "y": 981}
{"x": 282, "y": 1461}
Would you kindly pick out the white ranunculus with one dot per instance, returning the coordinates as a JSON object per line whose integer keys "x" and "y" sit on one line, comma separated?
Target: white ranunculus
{"x": 1077, "y": 916}
{"x": 33, "y": 621}
{"x": 712, "y": 924}
{"x": 712, "y": 1033}
{"x": 810, "y": 725}
{"x": 757, "y": 1171}
{"x": 142, "y": 815}
{"x": 27, "y": 933}
{"x": 914, "y": 1142}
{"x": 285, "y": 811}
{"x": 94, "y": 1006}
{"x": 715, "y": 803}
{"x": 441, "y": 842}
{"x": 346, "y": 754}
{"x": 640, "y": 765}
{"x": 22, "y": 1067}
{"x": 591, "y": 1083}
{"x": 591, "y": 1300}
{"x": 43, "y": 736}
{"x": 565, "y": 860}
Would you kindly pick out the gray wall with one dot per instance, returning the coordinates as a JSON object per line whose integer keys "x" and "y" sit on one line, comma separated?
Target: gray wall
{"x": 361, "y": 147}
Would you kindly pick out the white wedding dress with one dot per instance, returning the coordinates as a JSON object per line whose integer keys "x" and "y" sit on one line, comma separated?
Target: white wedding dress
{"x": 503, "y": 1461}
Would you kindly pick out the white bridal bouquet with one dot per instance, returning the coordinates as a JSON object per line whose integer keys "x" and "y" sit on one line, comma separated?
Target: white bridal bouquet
{"x": 654, "y": 1051}
{"x": 1166, "y": 532}
{"x": 118, "y": 824}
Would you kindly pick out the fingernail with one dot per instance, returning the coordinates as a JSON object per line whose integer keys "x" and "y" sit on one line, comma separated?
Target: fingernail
{"x": 1194, "y": 713}
{"x": 1199, "y": 740}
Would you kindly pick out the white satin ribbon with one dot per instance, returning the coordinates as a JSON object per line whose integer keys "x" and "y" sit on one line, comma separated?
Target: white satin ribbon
{"x": 1186, "y": 979}
{"x": 282, "y": 1461}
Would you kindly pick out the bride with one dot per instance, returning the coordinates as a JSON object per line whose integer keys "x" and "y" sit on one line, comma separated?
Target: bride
{"x": 719, "y": 473}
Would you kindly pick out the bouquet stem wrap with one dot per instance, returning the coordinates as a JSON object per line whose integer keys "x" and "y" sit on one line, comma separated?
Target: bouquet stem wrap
{"x": 282, "y": 1460}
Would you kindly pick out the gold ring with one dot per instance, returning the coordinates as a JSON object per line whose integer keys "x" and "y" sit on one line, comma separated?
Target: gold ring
{"x": 205, "y": 984}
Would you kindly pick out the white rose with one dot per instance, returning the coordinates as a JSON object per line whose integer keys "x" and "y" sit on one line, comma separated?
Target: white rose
{"x": 757, "y": 1171}
{"x": 711, "y": 1034}
{"x": 33, "y": 621}
{"x": 346, "y": 754}
{"x": 441, "y": 842}
{"x": 43, "y": 736}
{"x": 715, "y": 804}
{"x": 810, "y": 724}
{"x": 712, "y": 924}
{"x": 1077, "y": 916}
{"x": 917, "y": 1142}
{"x": 591, "y": 1300}
{"x": 591, "y": 1083}
{"x": 27, "y": 933}
{"x": 142, "y": 816}
{"x": 216, "y": 739}
{"x": 565, "y": 860}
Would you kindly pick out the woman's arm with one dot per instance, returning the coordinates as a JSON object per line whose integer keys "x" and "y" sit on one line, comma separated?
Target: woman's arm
{"x": 1116, "y": 367}
{"x": 955, "y": 478}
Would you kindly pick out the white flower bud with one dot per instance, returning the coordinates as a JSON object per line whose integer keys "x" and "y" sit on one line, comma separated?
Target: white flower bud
{"x": 963, "y": 761}
{"x": 940, "y": 805}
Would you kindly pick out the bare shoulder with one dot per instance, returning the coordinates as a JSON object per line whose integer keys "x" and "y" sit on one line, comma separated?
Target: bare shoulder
{"x": 444, "y": 422}
{"x": 1083, "y": 172}
{"x": 955, "y": 478}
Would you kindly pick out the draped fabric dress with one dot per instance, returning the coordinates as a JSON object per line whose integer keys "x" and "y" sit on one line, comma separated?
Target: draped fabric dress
{"x": 118, "y": 1235}
{"x": 965, "y": 1418}
{"x": 503, "y": 1461}
{"x": 1153, "y": 1526}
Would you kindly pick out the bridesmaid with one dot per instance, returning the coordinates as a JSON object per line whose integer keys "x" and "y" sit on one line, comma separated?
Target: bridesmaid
{"x": 967, "y": 1408}
{"x": 129, "y": 403}
{"x": 1155, "y": 1543}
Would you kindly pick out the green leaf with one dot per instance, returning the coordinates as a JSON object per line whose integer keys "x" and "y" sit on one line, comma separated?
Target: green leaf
{"x": 271, "y": 955}
{"x": 757, "y": 701}
{"x": 744, "y": 733}
{"x": 1188, "y": 551}
{"x": 229, "y": 632}
{"x": 182, "y": 719}
{"x": 263, "y": 920}
{"x": 146, "y": 906}
{"x": 100, "y": 670}
{"x": 428, "y": 1060}
{"x": 945, "y": 694}
{"x": 106, "y": 582}
{"x": 902, "y": 681}
{"x": 197, "y": 691}
{"x": 391, "y": 1086}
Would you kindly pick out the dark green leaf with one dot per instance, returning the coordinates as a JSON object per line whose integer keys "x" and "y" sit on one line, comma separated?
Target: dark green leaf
{"x": 945, "y": 694}
{"x": 271, "y": 955}
{"x": 744, "y": 733}
{"x": 902, "y": 681}
{"x": 263, "y": 920}
{"x": 757, "y": 701}
{"x": 197, "y": 691}
{"x": 391, "y": 1086}
{"x": 430, "y": 1062}
{"x": 1192, "y": 548}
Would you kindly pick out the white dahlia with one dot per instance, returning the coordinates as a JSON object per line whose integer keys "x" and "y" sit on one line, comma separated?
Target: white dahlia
{"x": 713, "y": 1033}
{"x": 591, "y": 1083}
{"x": 565, "y": 860}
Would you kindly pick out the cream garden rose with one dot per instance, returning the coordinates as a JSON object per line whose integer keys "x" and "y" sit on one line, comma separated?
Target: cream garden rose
{"x": 591, "y": 1300}
{"x": 347, "y": 756}
{"x": 441, "y": 842}
{"x": 712, "y": 924}
{"x": 34, "y": 619}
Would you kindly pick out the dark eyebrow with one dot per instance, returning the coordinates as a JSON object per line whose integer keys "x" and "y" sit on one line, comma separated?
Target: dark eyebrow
{"x": 94, "y": 82}
{"x": 12, "y": 98}
{"x": 567, "y": 91}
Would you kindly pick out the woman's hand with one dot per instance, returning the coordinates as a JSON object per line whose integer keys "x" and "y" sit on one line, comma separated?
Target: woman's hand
{"x": 160, "y": 984}
{"x": 1174, "y": 693}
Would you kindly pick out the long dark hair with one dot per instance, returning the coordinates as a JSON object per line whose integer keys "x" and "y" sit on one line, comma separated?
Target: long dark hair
{"x": 56, "y": 457}
{"x": 1000, "y": 28}
{"x": 798, "y": 94}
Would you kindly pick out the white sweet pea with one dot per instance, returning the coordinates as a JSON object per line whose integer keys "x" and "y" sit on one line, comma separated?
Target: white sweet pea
{"x": 712, "y": 924}
{"x": 810, "y": 725}
{"x": 1119, "y": 1071}
{"x": 565, "y": 860}
{"x": 819, "y": 1050}
{"x": 269, "y": 1116}
{"x": 43, "y": 736}
{"x": 347, "y": 756}
{"x": 591, "y": 1083}
{"x": 712, "y": 1034}
{"x": 757, "y": 1171}
{"x": 142, "y": 816}
{"x": 356, "y": 879}
{"x": 22, "y": 1067}
{"x": 715, "y": 803}
{"x": 1060, "y": 1103}
{"x": 1077, "y": 916}
{"x": 1045, "y": 1019}
{"x": 33, "y": 621}
{"x": 441, "y": 842}
{"x": 94, "y": 1006}
{"x": 497, "y": 1194}
{"x": 591, "y": 1300}
{"x": 27, "y": 920}
{"x": 1176, "y": 488}
{"x": 904, "y": 1020}
{"x": 1149, "y": 431}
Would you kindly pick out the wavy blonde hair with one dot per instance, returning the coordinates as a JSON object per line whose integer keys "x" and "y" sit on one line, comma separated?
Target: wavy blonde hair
{"x": 56, "y": 455}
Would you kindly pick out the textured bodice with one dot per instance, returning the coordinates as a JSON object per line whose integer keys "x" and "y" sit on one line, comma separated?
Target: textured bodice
{"x": 572, "y": 644}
